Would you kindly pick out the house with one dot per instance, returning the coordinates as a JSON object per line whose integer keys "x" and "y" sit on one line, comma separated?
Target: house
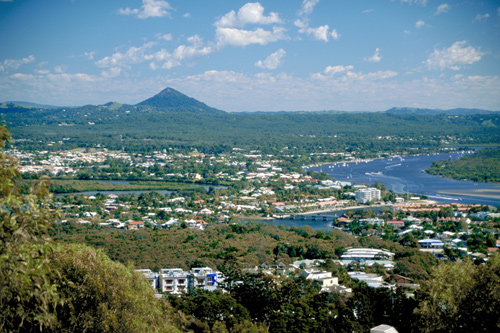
{"x": 135, "y": 225}
{"x": 372, "y": 280}
{"x": 373, "y": 221}
{"x": 150, "y": 276}
{"x": 431, "y": 243}
{"x": 396, "y": 224}
{"x": 325, "y": 280}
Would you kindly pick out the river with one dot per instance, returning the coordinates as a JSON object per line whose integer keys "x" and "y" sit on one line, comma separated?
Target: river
{"x": 407, "y": 175}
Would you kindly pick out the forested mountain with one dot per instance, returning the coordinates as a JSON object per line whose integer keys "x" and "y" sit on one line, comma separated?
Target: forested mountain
{"x": 171, "y": 119}
{"x": 170, "y": 98}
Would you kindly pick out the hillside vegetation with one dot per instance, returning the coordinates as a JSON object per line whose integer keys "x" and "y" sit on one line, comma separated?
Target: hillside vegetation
{"x": 481, "y": 167}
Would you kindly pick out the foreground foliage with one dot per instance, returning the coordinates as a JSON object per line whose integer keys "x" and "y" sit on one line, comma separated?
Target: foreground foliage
{"x": 57, "y": 288}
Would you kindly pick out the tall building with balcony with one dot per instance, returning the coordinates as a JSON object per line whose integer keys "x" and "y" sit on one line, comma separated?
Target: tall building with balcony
{"x": 365, "y": 195}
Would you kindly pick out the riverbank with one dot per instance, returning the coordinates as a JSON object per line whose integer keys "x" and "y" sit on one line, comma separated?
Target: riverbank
{"x": 480, "y": 193}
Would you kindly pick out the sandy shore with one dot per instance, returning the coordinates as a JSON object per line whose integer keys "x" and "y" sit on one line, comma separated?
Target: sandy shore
{"x": 480, "y": 193}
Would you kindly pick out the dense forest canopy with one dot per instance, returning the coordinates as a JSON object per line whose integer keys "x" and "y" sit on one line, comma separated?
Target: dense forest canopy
{"x": 148, "y": 128}
{"x": 483, "y": 166}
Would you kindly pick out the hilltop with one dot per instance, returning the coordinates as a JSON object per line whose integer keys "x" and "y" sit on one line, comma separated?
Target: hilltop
{"x": 170, "y": 98}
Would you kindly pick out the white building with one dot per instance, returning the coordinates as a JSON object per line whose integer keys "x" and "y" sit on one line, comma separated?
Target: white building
{"x": 364, "y": 195}
{"x": 178, "y": 281}
{"x": 366, "y": 254}
{"x": 325, "y": 280}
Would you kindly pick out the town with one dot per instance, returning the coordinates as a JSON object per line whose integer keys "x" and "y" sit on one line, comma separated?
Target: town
{"x": 248, "y": 186}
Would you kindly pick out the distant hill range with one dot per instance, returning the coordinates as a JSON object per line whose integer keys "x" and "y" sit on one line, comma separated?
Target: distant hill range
{"x": 27, "y": 105}
{"x": 172, "y": 99}
{"x": 431, "y": 112}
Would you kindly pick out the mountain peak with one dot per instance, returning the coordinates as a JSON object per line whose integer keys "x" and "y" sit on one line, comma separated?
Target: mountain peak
{"x": 172, "y": 99}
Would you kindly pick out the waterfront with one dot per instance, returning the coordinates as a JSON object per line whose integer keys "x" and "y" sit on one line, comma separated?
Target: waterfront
{"x": 407, "y": 175}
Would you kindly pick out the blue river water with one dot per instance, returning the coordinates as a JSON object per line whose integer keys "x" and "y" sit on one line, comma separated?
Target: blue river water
{"x": 407, "y": 175}
{"x": 403, "y": 175}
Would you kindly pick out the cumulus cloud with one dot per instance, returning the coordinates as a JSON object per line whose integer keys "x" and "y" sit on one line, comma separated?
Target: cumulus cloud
{"x": 166, "y": 60}
{"x": 241, "y": 37}
{"x": 341, "y": 73}
{"x": 453, "y": 57}
{"x": 229, "y": 28}
{"x": 149, "y": 8}
{"x": 134, "y": 55}
{"x": 420, "y": 24}
{"x": 416, "y": 2}
{"x": 334, "y": 34}
{"x": 319, "y": 33}
{"x": 332, "y": 70}
{"x": 481, "y": 18}
{"x": 89, "y": 55}
{"x": 307, "y": 7}
{"x": 250, "y": 13}
{"x": 443, "y": 8}
{"x": 272, "y": 61}
{"x": 13, "y": 64}
{"x": 167, "y": 37}
{"x": 375, "y": 57}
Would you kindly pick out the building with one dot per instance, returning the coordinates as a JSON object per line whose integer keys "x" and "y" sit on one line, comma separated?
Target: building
{"x": 365, "y": 195}
{"x": 325, "y": 280}
{"x": 150, "y": 276}
{"x": 431, "y": 243}
{"x": 178, "y": 281}
{"x": 371, "y": 221}
{"x": 396, "y": 224}
{"x": 366, "y": 254}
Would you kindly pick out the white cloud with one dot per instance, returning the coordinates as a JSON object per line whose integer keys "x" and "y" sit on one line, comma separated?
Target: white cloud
{"x": 443, "y": 8}
{"x": 167, "y": 37}
{"x": 308, "y": 6}
{"x": 481, "y": 18}
{"x": 166, "y": 60}
{"x": 250, "y": 13}
{"x": 42, "y": 71}
{"x": 112, "y": 72}
{"x": 272, "y": 61}
{"x": 134, "y": 55}
{"x": 228, "y": 28}
{"x": 420, "y": 24}
{"x": 319, "y": 33}
{"x": 375, "y": 57}
{"x": 454, "y": 56}
{"x": 13, "y": 64}
{"x": 149, "y": 8}
{"x": 416, "y": 2}
{"x": 90, "y": 55}
{"x": 335, "y": 35}
{"x": 240, "y": 37}
{"x": 332, "y": 70}
{"x": 367, "y": 11}
{"x": 187, "y": 15}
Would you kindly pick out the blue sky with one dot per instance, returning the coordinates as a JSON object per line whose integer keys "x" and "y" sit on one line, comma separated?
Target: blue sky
{"x": 271, "y": 55}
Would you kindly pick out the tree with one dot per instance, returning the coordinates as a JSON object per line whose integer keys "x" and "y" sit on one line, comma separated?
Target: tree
{"x": 57, "y": 288}
{"x": 27, "y": 298}
{"x": 461, "y": 297}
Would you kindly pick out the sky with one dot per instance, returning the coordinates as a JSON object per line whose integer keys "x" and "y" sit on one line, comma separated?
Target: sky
{"x": 293, "y": 55}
